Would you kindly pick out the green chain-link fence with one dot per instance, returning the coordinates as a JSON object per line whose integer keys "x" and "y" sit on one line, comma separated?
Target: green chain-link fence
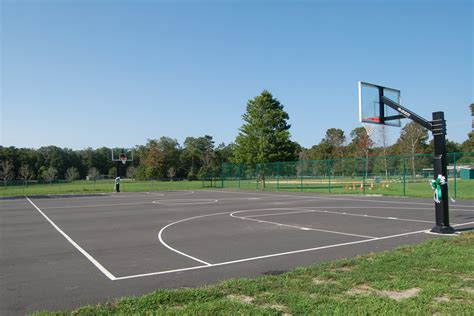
{"x": 391, "y": 175}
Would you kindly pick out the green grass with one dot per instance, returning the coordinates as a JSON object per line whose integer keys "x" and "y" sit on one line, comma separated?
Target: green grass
{"x": 464, "y": 188}
{"x": 441, "y": 270}
{"x": 102, "y": 186}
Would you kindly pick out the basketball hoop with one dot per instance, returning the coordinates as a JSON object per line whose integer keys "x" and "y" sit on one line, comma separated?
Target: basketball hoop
{"x": 369, "y": 128}
{"x": 123, "y": 158}
{"x": 374, "y": 119}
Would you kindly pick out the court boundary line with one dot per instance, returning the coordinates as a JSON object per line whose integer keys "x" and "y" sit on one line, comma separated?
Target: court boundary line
{"x": 273, "y": 255}
{"x": 112, "y": 277}
{"x": 304, "y": 210}
{"x": 294, "y": 226}
{"x": 96, "y": 263}
{"x": 267, "y": 256}
{"x": 335, "y": 197}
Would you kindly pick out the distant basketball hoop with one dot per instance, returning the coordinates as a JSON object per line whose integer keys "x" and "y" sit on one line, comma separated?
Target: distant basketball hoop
{"x": 123, "y": 158}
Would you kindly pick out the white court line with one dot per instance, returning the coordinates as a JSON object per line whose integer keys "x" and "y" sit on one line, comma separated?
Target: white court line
{"x": 207, "y": 265}
{"x": 174, "y": 202}
{"x": 95, "y": 205}
{"x": 241, "y": 199}
{"x": 299, "y": 227}
{"x": 121, "y": 195}
{"x": 344, "y": 213}
{"x": 385, "y": 207}
{"x": 171, "y": 194}
{"x": 273, "y": 255}
{"x": 160, "y": 238}
{"x": 337, "y": 198}
{"x": 72, "y": 242}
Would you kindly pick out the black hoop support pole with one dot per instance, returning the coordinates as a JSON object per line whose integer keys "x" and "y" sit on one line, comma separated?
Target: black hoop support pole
{"x": 440, "y": 167}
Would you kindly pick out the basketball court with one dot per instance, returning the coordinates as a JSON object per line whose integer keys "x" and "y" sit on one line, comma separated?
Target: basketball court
{"x": 61, "y": 252}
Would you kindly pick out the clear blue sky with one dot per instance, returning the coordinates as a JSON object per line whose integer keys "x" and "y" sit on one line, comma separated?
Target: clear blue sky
{"x": 116, "y": 73}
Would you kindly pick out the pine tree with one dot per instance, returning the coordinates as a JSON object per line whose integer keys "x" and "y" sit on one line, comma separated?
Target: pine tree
{"x": 265, "y": 136}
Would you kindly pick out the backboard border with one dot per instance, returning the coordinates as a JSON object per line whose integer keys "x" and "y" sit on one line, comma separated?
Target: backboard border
{"x": 382, "y": 122}
{"x": 129, "y": 158}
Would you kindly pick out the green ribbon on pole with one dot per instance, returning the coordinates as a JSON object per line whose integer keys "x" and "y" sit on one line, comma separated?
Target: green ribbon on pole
{"x": 436, "y": 186}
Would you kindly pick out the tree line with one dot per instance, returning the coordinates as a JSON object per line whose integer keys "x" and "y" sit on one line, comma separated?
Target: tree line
{"x": 263, "y": 137}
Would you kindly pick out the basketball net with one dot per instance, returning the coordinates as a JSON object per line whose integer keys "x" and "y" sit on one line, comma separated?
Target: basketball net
{"x": 123, "y": 158}
{"x": 369, "y": 128}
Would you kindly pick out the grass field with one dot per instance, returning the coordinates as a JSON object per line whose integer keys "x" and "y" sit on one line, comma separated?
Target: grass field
{"x": 100, "y": 186}
{"x": 464, "y": 188}
{"x": 433, "y": 278}
{"x": 421, "y": 188}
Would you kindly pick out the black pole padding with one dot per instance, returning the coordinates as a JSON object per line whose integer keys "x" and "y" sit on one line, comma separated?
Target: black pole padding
{"x": 117, "y": 166}
{"x": 117, "y": 177}
{"x": 440, "y": 167}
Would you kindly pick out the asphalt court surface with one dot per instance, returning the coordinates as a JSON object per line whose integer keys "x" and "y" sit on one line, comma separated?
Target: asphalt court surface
{"x": 61, "y": 252}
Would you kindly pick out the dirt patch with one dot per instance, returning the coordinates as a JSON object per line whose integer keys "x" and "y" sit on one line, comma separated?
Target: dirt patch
{"x": 321, "y": 281}
{"x": 241, "y": 298}
{"x": 466, "y": 278}
{"x": 399, "y": 295}
{"x": 443, "y": 298}
{"x": 396, "y": 295}
{"x": 341, "y": 269}
{"x": 361, "y": 290}
{"x": 469, "y": 290}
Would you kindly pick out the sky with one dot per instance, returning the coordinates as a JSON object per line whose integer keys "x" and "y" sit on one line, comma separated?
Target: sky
{"x": 85, "y": 73}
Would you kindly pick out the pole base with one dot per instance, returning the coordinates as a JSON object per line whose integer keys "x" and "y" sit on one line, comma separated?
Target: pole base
{"x": 443, "y": 230}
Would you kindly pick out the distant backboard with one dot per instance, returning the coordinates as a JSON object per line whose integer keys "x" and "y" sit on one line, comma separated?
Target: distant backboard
{"x": 371, "y": 107}
{"x": 119, "y": 153}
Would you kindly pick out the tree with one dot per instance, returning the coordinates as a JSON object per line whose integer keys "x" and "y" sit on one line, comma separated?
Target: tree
{"x": 112, "y": 172}
{"x": 26, "y": 173}
{"x": 472, "y": 115}
{"x": 50, "y": 174}
{"x": 153, "y": 160}
{"x": 265, "y": 136}
{"x": 93, "y": 173}
{"x": 8, "y": 171}
{"x": 131, "y": 172}
{"x": 190, "y": 155}
{"x": 321, "y": 151}
{"x": 200, "y": 155}
{"x": 224, "y": 152}
{"x": 72, "y": 174}
{"x": 171, "y": 173}
{"x": 335, "y": 140}
{"x": 412, "y": 140}
{"x": 468, "y": 145}
{"x": 362, "y": 144}
{"x": 383, "y": 139}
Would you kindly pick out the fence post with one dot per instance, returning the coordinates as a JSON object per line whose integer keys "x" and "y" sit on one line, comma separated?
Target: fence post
{"x": 363, "y": 182}
{"x": 455, "y": 174}
{"x": 404, "y": 176}
{"x": 329, "y": 175}
{"x": 240, "y": 173}
{"x": 301, "y": 175}
{"x": 256, "y": 176}
{"x": 222, "y": 175}
{"x": 278, "y": 176}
